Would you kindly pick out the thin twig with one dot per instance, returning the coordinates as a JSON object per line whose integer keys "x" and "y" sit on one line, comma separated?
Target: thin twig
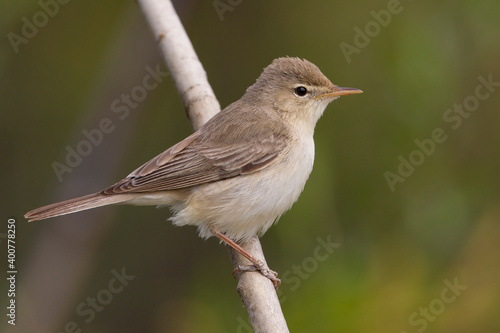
{"x": 187, "y": 71}
{"x": 257, "y": 292}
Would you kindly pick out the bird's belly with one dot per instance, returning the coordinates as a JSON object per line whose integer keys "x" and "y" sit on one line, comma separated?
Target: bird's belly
{"x": 245, "y": 206}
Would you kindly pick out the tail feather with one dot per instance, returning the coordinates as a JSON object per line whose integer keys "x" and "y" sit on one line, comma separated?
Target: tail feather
{"x": 75, "y": 205}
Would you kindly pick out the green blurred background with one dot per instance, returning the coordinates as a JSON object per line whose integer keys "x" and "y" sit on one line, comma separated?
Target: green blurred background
{"x": 397, "y": 250}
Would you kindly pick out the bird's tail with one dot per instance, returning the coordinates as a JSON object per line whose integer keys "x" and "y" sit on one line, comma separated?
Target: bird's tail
{"x": 75, "y": 205}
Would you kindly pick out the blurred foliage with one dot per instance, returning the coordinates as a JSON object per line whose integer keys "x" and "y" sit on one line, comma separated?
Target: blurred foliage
{"x": 395, "y": 247}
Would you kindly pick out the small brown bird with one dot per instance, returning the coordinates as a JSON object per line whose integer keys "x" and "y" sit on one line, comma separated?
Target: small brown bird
{"x": 240, "y": 171}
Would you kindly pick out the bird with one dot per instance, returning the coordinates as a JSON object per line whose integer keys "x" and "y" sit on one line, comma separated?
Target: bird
{"x": 238, "y": 173}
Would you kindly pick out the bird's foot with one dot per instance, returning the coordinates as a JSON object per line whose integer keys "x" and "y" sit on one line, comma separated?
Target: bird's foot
{"x": 262, "y": 268}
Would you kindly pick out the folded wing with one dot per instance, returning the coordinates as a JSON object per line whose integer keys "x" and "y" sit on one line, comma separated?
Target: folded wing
{"x": 197, "y": 160}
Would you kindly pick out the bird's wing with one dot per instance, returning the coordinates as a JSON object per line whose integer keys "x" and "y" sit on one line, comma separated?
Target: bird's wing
{"x": 197, "y": 160}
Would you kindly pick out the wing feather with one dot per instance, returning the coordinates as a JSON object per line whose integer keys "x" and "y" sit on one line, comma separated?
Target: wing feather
{"x": 201, "y": 159}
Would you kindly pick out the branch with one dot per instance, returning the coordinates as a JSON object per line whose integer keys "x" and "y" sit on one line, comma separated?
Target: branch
{"x": 187, "y": 71}
{"x": 256, "y": 291}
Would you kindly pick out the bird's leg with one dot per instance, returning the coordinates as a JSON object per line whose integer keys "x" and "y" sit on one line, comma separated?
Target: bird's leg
{"x": 257, "y": 265}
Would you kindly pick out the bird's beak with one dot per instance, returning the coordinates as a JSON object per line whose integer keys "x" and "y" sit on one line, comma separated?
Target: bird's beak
{"x": 340, "y": 91}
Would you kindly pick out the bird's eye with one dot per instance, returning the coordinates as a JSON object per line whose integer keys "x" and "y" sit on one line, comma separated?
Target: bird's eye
{"x": 300, "y": 91}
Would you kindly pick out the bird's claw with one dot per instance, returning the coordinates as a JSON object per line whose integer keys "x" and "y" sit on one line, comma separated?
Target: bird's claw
{"x": 262, "y": 268}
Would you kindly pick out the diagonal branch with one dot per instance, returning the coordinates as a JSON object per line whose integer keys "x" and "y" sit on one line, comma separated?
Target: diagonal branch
{"x": 256, "y": 291}
{"x": 187, "y": 71}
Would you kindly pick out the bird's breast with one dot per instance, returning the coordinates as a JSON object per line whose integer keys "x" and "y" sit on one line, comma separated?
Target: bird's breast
{"x": 247, "y": 205}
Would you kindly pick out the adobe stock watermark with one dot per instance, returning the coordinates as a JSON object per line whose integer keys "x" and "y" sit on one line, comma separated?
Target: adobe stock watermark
{"x": 292, "y": 278}
{"x": 120, "y": 107}
{"x": 88, "y": 309}
{"x": 372, "y": 29}
{"x": 420, "y": 319}
{"x": 221, "y": 7}
{"x": 454, "y": 118}
{"x": 31, "y": 26}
